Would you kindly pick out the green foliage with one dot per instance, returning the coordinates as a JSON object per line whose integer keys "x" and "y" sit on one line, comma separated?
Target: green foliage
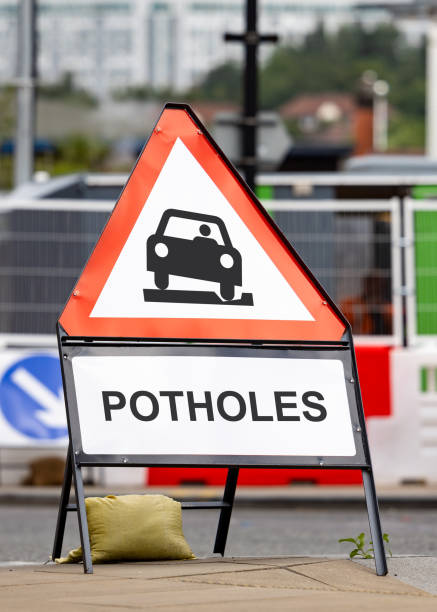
{"x": 334, "y": 62}
{"x": 134, "y": 92}
{"x": 322, "y": 62}
{"x": 326, "y": 62}
{"x": 223, "y": 83}
{"x": 6, "y": 172}
{"x": 65, "y": 90}
{"x": 7, "y": 112}
{"x": 143, "y": 93}
{"x": 80, "y": 152}
{"x": 406, "y": 132}
{"x": 75, "y": 153}
{"x": 362, "y": 550}
{"x": 7, "y": 126}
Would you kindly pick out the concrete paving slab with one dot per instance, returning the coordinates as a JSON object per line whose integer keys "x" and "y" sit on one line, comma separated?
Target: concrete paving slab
{"x": 224, "y": 599}
{"x": 304, "y": 601}
{"x": 282, "y": 561}
{"x": 153, "y": 570}
{"x": 343, "y": 575}
{"x": 270, "y": 577}
{"x": 175, "y": 597}
{"x": 199, "y": 597}
{"x": 190, "y": 567}
{"x": 35, "y": 574}
{"x": 216, "y": 585}
{"x": 420, "y": 572}
{"x": 59, "y": 596}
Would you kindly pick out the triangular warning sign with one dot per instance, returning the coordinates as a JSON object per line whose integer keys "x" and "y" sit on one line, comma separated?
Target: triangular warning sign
{"x": 189, "y": 252}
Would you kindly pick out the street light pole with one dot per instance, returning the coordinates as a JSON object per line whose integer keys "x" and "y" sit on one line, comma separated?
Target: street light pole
{"x": 251, "y": 39}
{"x": 24, "y": 140}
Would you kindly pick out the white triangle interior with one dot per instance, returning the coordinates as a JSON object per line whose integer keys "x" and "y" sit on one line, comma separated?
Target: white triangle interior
{"x": 184, "y": 185}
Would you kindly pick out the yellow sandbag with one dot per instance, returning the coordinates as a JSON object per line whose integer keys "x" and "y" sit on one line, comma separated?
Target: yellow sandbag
{"x": 133, "y": 528}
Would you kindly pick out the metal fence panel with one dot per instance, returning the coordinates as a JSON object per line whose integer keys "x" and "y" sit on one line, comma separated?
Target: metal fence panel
{"x": 42, "y": 252}
{"x": 348, "y": 245}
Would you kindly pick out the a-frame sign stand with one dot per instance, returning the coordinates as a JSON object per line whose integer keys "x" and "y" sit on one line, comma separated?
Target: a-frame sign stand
{"x": 196, "y": 336}
{"x": 73, "y": 472}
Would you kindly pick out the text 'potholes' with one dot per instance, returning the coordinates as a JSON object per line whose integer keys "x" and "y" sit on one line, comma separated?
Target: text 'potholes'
{"x": 229, "y": 405}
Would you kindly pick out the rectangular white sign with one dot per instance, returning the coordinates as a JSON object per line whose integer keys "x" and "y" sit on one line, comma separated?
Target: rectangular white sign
{"x": 212, "y": 405}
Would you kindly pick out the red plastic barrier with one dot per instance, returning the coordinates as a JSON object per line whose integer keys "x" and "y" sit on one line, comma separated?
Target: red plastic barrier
{"x": 374, "y": 371}
{"x": 250, "y": 477}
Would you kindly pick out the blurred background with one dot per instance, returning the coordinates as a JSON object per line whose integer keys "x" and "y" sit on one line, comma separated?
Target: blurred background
{"x": 328, "y": 108}
{"x": 102, "y": 70}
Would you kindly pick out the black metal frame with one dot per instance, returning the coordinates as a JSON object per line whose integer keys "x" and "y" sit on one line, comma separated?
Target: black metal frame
{"x": 76, "y": 458}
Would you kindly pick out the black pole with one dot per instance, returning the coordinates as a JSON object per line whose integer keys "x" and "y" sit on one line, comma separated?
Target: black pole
{"x": 250, "y": 95}
{"x": 249, "y": 121}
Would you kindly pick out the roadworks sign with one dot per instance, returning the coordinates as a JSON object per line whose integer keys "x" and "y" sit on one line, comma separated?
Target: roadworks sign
{"x": 190, "y": 253}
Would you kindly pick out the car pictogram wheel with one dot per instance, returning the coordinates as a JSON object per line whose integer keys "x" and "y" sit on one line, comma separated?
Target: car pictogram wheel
{"x": 161, "y": 280}
{"x": 227, "y": 291}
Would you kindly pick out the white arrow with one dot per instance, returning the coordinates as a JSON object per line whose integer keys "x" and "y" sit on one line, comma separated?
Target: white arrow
{"x": 53, "y": 414}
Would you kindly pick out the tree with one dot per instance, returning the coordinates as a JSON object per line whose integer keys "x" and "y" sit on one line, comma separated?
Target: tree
{"x": 7, "y": 112}
{"x": 66, "y": 91}
{"x": 223, "y": 83}
{"x": 334, "y": 63}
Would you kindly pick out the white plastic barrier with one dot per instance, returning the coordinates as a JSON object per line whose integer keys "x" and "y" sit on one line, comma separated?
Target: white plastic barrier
{"x": 404, "y": 445}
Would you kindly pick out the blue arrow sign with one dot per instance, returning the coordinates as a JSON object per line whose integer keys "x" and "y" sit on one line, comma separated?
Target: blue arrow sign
{"x": 31, "y": 397}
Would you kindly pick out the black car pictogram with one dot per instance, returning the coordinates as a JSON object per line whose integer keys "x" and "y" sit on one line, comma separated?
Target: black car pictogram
{"x": 201, "y": 257}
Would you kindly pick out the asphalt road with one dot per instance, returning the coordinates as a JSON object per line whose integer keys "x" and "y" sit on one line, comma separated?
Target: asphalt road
{"x": 26, "y": 533}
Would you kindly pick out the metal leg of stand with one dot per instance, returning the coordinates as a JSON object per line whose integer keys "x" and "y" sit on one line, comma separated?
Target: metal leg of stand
{"x": 63, "y": 503}
{"x": 225, "y": 513}
{"x": 374, "y": 522}
{"x": 83, "y": 523}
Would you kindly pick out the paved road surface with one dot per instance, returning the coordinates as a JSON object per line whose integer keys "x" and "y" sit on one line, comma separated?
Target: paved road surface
{"x": 27, "y": 532}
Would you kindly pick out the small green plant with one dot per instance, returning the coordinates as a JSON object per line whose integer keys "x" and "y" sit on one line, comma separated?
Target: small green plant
{"x": 361, "y": 549}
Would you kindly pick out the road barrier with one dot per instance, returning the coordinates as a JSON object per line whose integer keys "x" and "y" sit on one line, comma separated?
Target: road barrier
{"x": 374, "y": 257}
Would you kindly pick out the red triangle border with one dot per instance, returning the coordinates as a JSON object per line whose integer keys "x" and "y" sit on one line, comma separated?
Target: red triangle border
{"x": 178, "y": 121}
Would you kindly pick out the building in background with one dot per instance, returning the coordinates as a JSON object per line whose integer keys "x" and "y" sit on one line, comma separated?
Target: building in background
{"x": 110, "y": 44}
{"x": 324, "y": 117}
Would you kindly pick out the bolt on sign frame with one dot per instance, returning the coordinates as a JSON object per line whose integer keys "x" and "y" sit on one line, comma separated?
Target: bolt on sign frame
{"x": 326, "y": 344}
